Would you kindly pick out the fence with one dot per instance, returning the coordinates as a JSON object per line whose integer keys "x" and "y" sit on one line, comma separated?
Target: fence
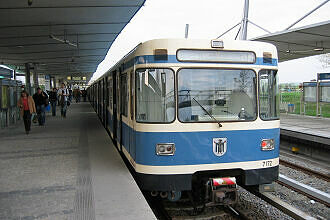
{"x": 293, "y": 103}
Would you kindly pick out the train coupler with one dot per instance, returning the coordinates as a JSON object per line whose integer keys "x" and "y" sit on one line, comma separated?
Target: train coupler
{"x": 221, "y": 191}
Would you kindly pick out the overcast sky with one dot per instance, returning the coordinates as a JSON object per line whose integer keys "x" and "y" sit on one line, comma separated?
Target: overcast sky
{"x": 208, "y": 19}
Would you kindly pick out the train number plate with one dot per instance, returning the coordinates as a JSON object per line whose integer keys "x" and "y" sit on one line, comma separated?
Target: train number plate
{"x": 267, "y": 163}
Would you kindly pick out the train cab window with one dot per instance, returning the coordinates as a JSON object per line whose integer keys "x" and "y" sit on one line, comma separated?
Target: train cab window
{"x": 206, "y": 95}
{"x": 155, "y": 100}
{"x": 269, "y": 98}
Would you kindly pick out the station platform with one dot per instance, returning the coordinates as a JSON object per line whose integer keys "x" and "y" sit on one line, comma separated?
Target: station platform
{"x": 308, "y": 128}
{"x": 67, "y": 169}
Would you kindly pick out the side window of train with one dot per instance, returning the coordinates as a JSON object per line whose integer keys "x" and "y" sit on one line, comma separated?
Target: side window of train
{"x": 123, "y": 94}
{"x": 269, "y": 98}
{"x": 155, "y": 100}
{"x": 131, "y": 94}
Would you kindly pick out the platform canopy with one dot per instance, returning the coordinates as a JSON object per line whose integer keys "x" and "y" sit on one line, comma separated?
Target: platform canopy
{"x": 300, "y": 42}
{"x": 62, "y": 37}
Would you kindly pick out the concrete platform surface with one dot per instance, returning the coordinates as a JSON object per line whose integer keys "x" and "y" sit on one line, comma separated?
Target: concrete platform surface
{"x": 67, "y": 169}
{"x": 306, "y": 124}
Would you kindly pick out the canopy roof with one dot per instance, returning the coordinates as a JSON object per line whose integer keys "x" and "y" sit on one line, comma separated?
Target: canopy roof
{"x": 300, "y": 42}
{"x": 63, "y": 37}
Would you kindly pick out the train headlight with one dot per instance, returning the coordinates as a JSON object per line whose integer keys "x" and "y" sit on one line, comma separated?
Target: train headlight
{"x": 167, "y": 149}
{"x": 267, "y": 144}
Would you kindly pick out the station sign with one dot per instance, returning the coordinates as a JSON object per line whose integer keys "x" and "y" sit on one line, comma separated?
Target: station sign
{"x": 323, "y": 76}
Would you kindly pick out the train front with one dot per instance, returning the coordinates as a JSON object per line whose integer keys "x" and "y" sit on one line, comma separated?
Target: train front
{"x": 207, "y": 118}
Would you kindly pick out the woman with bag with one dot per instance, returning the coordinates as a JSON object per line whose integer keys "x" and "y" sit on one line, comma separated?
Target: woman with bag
{"x": 27, "y": 108}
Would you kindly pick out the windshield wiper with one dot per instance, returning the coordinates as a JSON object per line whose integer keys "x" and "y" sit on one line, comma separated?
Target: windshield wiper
{"x": 220, "y": 125}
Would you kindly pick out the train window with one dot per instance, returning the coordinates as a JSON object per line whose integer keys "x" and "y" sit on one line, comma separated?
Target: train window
{"x": 206, "y": 95}
{"x": 269, "y": 98}
{"x": 155, "y": 100}
{"x": 123, "y": 95}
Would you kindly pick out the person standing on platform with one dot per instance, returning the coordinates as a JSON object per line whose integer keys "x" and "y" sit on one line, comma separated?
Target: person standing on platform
{"x": 27, "y": 108}
{"x": 40, "y": 100}
{"x": 63, "y": 94}
{"x": 53, "y": 101}
{"x": 84, "y": 94}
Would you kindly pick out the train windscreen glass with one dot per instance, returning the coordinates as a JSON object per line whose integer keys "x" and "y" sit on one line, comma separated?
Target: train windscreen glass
{"x": 155, "y": 100}
{"x": 269, "y": 97}
{"x": 216, "y": 56}
{"x": 225, "y": 94}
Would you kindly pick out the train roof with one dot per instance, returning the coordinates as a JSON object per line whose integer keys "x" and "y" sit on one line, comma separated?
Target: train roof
{"x": 173, "y": 45}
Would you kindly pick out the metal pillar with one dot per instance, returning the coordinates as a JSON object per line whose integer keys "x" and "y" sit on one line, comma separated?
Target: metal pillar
{"x": 244, "y": 23}
{"x": 317, "y": 95}
{"x": 27, "y": 78}
{"x": 319, "y": 6}
{"x": 187, "y": 31}
{"x": 35, "y": 76}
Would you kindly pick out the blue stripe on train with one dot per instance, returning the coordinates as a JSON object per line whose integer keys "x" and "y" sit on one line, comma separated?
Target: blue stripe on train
{"x": 172, "y": 59}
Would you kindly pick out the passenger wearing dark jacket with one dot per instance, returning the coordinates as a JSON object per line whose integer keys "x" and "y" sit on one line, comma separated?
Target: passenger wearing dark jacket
{"x": 53, "y": 100}
{"x": 40, "y": 99}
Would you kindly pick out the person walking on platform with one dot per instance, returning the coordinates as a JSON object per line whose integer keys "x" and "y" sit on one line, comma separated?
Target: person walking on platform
{"x": 40, "y": 100}
{"x": 27, "y": 108}
{"x": 53, "y": 100}
{"x": 63, "y": 94}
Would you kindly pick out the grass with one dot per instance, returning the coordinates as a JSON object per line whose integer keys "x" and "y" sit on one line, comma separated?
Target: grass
{"x": 310, "y": 108}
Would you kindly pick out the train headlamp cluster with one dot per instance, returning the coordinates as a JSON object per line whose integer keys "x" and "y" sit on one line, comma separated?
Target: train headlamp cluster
{"x": 267, "y": 144}
{"x": 167, "y": 149}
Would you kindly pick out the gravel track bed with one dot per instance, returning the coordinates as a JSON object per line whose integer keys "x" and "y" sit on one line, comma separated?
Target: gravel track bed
{"x": 256, "y": 208}
{"x": 305, "y": 179}
{"x": 301, "y": 202}
{"x": 305, "y": 162}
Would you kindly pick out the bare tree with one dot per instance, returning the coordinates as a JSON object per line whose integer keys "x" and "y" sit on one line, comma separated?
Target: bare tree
{"x": 325, "y": 60}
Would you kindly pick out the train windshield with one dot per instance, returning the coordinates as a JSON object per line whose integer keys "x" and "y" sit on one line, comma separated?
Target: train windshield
{"x": 269, "y": 98}
{"x": 206, "y": 95}
{"x": 155, "y": 100}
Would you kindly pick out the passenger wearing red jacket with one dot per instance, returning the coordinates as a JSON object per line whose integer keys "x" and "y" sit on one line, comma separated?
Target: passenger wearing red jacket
{"x": 27, "y": 108}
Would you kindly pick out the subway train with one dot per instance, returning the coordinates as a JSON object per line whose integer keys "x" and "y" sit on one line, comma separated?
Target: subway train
{"x": 196, "y": 116}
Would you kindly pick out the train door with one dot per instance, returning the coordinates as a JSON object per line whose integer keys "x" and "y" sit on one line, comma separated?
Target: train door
{"x": 119, "y": 116}
{"x": 104, "y": 101}
{"x": 124, "y": 133}
{"x": 115, "y": 105}
{"x": 106, "y": 123}
{"x": 132, "y": 147}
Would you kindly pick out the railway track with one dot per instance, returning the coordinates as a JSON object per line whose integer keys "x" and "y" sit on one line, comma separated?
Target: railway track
{"x": 306, "y": 170}
{"x": 184, "y": 209}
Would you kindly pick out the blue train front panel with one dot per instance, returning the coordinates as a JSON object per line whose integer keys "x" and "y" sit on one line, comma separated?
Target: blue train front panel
{"x": 195, "y": 152}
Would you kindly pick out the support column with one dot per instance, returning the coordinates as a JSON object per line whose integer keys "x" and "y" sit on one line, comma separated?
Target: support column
{"x": 35, "y": 76}
{"x": 27, "y": 78}
{"x": 244, "y": 22}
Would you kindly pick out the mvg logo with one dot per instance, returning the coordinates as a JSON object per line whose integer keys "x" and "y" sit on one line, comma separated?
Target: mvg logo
{"x": 219, "y": 146}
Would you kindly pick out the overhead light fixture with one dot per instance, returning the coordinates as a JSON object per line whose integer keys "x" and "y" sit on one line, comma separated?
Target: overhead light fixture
{"x": 51, "y": 36}
{"x": 319, "y": 49}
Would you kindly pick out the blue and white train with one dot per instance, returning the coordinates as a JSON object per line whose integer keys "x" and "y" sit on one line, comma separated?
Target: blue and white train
{"x": 189, "y": 115}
